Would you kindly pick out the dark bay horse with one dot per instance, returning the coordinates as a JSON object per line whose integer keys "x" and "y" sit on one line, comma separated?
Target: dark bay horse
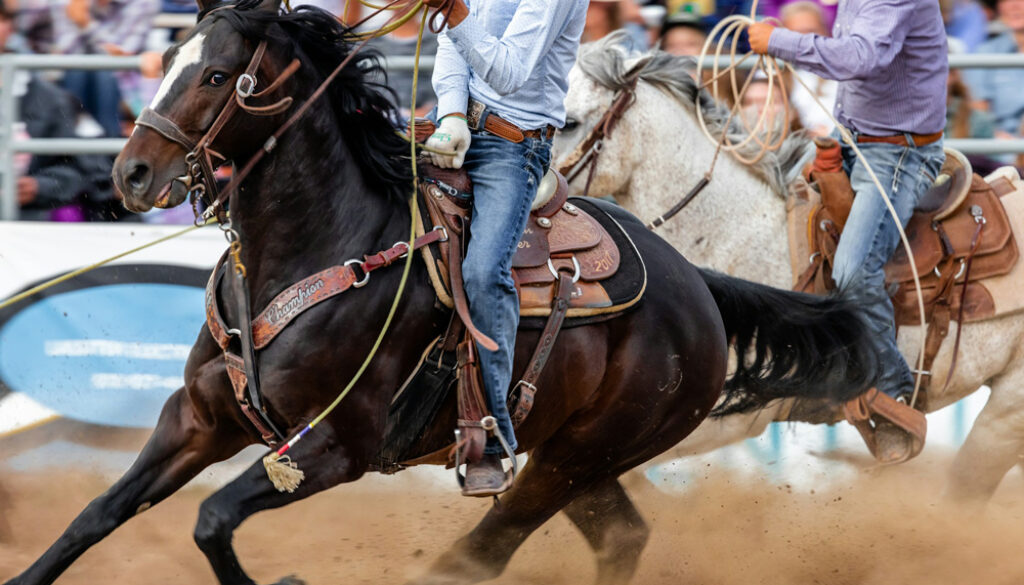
{"x": 614, "y": 393}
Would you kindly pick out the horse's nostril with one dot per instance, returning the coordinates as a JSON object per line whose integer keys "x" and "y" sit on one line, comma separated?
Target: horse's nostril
{"x": 137, "y": 176}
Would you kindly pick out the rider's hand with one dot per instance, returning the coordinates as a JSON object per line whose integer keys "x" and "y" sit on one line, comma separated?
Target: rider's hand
{"x": 451, "y": 136}
{"x": 759, "y": 34}
{"x": 456, "y": 10}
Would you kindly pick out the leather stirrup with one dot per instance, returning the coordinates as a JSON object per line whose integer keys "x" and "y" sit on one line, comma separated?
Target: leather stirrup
{"x": 860, "y": 411}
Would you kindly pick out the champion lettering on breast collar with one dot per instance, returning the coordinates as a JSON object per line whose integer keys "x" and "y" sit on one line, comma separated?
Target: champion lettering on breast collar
{"x": 296, "y": 304}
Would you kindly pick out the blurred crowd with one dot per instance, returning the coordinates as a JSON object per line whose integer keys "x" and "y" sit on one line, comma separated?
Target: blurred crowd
{"x": 984, "y": 103}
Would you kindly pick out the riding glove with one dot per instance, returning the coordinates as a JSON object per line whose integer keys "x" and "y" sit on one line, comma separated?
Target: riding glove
{"x": 451, "y": 136}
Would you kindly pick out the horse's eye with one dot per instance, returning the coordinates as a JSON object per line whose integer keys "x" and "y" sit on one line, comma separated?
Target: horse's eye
{"x": 570, "y": 125}
{"x": 217, "y": 79}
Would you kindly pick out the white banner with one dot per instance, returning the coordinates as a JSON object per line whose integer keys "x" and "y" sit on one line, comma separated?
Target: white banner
{"x": 107, "y": 347}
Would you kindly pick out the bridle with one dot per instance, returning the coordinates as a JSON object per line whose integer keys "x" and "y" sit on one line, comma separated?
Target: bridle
{"x": 201, "y": 159}
{"x": 587, "y": 152}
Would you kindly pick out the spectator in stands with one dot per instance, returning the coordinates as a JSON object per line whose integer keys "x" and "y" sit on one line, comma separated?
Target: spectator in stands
{"x": 605, "y": 16}
{"x": 48, "y": 187}
{"x": 807, "y": 17}
{"x": 683, "y": 34}
{"x": 774, "y": 8}
{"x": 101, "y": 27}
{"x": 963, "y": 120}
{"x": 966, "y": 24}
{"x": 179, "y": 6}
{"x": 33, "y": 25}
{"x": 755, "y": 100}
{"x": 999, "y": 90}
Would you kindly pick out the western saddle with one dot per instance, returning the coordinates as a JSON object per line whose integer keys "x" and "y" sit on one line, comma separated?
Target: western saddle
{"x": 559, "y": 267}
{"x": 960, "y": 235}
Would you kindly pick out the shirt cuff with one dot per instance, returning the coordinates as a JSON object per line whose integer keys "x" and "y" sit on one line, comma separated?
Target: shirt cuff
{"x": 784, "y": 44}
{"x": 467, "y": 35}
{"x": 452, "y": 102}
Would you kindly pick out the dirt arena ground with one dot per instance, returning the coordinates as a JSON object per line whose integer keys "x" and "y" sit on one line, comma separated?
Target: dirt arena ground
{"x": 883, "y": 528}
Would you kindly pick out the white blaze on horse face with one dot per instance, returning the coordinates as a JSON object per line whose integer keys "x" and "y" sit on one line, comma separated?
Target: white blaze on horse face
{"x": 191, "y": 53}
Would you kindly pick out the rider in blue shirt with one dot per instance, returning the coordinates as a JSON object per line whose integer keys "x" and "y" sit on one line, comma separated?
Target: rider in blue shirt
{"x": 508, "y": 60}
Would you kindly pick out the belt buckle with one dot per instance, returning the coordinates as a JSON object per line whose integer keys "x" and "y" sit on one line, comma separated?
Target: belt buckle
{"x": 475, "y": 114}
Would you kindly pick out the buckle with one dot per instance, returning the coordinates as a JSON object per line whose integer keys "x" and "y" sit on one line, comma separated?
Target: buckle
{"x": 366, "y": 275}
{"x": 475, "y": 115}
{"x": 245, "y": 86}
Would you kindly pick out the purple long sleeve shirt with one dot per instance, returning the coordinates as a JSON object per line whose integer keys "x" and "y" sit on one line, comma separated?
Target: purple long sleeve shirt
{"x": 890, "y": 59}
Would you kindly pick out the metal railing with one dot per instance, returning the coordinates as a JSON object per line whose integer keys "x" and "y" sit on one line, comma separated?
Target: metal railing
{"x": 9, "y": 145}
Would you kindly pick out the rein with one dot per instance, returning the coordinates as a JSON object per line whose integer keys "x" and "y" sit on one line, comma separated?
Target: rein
{"x": 587, "y": 152}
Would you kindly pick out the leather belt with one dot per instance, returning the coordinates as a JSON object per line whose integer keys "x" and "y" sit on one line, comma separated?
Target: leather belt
{"x": 901, "y": 139}
{"x": 478, "y": 118}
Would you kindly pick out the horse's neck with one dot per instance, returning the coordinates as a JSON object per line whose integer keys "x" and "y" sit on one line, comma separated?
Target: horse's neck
{"x": 307, "y": 208}
{"x": 737, "y": 224}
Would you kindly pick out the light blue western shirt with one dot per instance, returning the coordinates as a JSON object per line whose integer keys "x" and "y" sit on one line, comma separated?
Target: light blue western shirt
{"x": 512, "y": 55}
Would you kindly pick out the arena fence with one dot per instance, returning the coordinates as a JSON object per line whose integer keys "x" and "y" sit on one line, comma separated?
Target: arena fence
{"x": 9, "y": 145}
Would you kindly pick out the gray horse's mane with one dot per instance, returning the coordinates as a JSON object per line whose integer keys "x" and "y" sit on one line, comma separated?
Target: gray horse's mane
{"x": 607, "y": 62}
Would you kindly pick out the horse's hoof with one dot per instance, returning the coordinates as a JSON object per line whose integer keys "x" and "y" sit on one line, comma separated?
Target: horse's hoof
{"x": 291, "y": 580}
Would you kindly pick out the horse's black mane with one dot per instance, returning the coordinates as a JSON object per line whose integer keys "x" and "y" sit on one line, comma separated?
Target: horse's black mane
{"x": 367, "y": 117}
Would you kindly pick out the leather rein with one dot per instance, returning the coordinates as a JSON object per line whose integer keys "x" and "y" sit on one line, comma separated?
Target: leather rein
{"x": 587, "y": 152}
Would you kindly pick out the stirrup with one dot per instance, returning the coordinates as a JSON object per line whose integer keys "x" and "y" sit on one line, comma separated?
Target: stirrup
{"x": 489, "y": 424}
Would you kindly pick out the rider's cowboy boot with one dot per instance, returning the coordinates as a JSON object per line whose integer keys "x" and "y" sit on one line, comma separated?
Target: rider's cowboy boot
{"x": 486, "y": 477}
{"x": 893, "y": 431}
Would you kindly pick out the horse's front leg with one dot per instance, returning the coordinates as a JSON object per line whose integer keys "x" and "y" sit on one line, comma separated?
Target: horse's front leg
{"x": 186, "y": 440}
{"x": 325, "y": 465}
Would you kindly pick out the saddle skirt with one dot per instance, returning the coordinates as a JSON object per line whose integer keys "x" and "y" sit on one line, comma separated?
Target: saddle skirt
{"x": 561, "y": 236}
{"x": 962, "y": 221}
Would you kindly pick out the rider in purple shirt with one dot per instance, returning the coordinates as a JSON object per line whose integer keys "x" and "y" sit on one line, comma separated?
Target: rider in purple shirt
{"x": 889, "y": 57}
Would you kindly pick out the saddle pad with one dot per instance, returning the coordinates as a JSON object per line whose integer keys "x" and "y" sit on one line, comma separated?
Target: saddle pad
{"x": 590, "y": 300}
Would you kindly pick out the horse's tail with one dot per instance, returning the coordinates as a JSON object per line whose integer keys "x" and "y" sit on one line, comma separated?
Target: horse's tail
{"x": 791, "y": 345}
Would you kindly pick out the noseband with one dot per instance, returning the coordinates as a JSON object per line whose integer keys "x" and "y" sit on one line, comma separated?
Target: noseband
{"x": 202, "y": 160}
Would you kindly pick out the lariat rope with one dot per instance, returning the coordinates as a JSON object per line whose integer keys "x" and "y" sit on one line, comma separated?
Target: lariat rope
{"x": 281, "y": 469}
{"x": 79, "y": 272}
{"x": 772, "y": 68}
{"x": 76, "y": 273}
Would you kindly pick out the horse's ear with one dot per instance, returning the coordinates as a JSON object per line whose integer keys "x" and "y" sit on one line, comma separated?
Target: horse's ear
{"x": 635, "y": 66}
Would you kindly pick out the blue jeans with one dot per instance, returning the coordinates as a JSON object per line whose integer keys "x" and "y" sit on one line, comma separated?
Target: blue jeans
{"x": 870, "y": 237}
{"x": 505, "y": 178}
{"x": 100, "y": 95}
